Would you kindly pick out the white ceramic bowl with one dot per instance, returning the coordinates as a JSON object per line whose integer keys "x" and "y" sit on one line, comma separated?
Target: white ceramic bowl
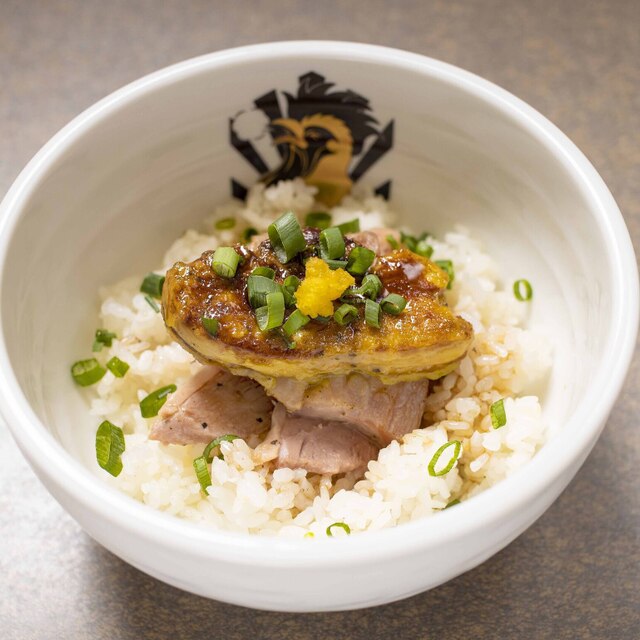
{"x": 108, "y": 194}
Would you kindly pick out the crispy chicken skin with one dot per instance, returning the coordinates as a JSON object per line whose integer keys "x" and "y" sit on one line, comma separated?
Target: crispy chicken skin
{"x": 425, "y": 341}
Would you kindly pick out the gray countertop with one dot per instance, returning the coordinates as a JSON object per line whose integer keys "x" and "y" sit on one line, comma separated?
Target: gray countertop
{"x": 573, "y": 574}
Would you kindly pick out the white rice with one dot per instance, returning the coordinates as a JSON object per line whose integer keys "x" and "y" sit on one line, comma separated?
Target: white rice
{"x": 247, "y": 495}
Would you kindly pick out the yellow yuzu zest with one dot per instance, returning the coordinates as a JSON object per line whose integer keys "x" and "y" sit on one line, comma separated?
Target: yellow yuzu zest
{"x": 320, "y": 287}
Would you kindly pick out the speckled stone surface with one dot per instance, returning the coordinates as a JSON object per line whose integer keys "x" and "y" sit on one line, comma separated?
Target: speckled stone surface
{"x": 576, "y": 573}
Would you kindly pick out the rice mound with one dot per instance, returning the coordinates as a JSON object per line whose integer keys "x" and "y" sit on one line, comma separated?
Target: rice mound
{"x": 249, "y": 495}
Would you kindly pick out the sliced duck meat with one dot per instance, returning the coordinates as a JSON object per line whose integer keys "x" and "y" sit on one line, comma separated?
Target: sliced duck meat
{"x": 256, "y": 241}
{"x": 317, "y": 445}
{"x": 382, "y": 412}
{"x": 376, "y": 239}
{"x": 210, "y": 404}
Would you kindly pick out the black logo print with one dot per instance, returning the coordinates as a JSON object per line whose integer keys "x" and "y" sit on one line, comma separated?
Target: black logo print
{"x": 329, "y": 138}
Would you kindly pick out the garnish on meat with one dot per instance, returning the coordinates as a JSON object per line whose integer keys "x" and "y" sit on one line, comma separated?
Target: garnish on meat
{"x": 210, "y": 404}
{"x": 422, "y": 340}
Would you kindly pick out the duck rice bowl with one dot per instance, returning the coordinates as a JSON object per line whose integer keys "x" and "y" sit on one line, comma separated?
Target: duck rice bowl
{"x": 304, "y": 371}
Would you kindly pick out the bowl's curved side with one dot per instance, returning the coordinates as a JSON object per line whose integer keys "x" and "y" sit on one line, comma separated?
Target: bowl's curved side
{"x": 381, "y": 566}
{"x": 326, "y": 576}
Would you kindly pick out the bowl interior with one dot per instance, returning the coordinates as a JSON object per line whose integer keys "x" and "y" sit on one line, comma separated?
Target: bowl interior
{"x": 147, "y": 166}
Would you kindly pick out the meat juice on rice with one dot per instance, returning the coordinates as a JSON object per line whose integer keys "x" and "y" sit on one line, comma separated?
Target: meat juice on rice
{"x": 248, "y": 494}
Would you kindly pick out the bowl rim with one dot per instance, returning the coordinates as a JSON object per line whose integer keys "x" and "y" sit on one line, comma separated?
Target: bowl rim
{"x": 503, "y": 499}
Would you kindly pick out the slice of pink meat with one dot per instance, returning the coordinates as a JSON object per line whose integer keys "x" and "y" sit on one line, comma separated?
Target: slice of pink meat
{"x": 210, "y": 404}
{"x": 256, "y": 241}
{"x": 376, "y": 239}
{"x": 382, "y": 412}
{"x": 319, "y": 446}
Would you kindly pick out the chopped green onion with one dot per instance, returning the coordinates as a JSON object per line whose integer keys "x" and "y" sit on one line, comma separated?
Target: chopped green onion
{"x": 352, "y": 296}
{"x": 408, "y": 241}
{"x": 318, "y": 219}
{"x": 372, "y": 313}
{"x": 225, "y": 262}
{"x": 309, "y": 534}
{"x": 371, "y": 286}
{"x": 258, "y": 287}
{"x": 498, "y": 414}
{"x": 267, "y": 272}
{"x": 447, "y": 267}
{"x": 117, "y": 367}
{"x": 206, "y": 454}
{"x": 352, "y": 226}
{"x": 110, "y": 447}
{"x": 289, "y": 288}
{"x": 393, "y": 304}
{"x": 247, "y": 234}
{"x": 286, "y": 237}
{"x": 200, "y": 464}
{"x": 345, "y": 314}
{"x": 291, "y": 282}
{"x": 152, "y": 285}
{"x": 360, "y": 259}
{"x": 518, "y": 292}
{"x": 211, "y": 325}
{"x": 225, "y": 223}
{"x": 457, "y": 445}
{"x": 341, "y": 525}
{"x": 424, "y": 249}
{"x": 392, "y": 241}
{"x": 331, "y": 244}
{"x": 289, "y": 298}
{"x": 417, "y": 244}
{"x": 336, "y": 264}
{"x": 150, "y": 405}
{"x": 322, "y": 319}
{"x": 271, "y": 315}
{"x": 202, "y": 472}
{"x": 294, "y": 323}
{"x": 103, "y": 338}
{"x": 152, "y": 303}
{"x": 87, "y": 372}
{"x": 453, "y": 503}
{"x": 287, "y": 340}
